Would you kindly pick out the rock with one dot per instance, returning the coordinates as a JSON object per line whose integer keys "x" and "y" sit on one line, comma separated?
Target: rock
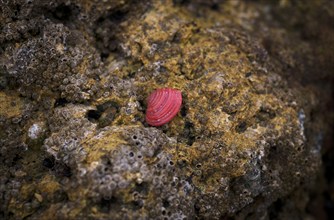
{"x": 76, "y": 145}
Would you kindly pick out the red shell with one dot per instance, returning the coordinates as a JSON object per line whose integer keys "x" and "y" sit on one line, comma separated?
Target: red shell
{"x": 162, "y": 106}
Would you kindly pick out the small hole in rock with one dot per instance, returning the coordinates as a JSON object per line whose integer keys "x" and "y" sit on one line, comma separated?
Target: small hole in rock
{"x": 241, "y": 127}
{"x": 105, "y": 204}
{"x": 62, "y": 12}
{"x": 60, "y": 102}
{"x": 48, "y": 162}
{"x": 248, "y": 74}
{"x": 165, "y": 203}
{"x": 93, "y": 115}
{"x": 138, "y": 204}
{"x": 215, "y": 7}
{"x": 183, "y": 111}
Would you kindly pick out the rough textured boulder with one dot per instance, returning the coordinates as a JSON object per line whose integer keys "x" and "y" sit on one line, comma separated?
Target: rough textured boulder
{"x": 74, "y": 77}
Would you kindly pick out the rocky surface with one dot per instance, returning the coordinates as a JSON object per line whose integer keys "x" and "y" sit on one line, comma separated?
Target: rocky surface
{"x": 247, "y": 143}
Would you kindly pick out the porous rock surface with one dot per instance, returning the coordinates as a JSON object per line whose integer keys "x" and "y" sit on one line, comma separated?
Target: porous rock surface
{"x": 74, "y": 79}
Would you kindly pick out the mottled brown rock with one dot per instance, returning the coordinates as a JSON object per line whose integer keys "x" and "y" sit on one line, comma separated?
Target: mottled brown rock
{"x": 74, "y": 78}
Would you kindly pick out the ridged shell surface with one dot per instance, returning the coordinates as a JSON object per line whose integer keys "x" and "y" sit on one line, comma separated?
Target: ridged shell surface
{"x": 162, "y": 106}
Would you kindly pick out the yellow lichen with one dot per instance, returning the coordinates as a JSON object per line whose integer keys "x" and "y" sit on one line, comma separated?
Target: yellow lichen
{"x": 98, "y": 146}
{"x": 11, "y": 105}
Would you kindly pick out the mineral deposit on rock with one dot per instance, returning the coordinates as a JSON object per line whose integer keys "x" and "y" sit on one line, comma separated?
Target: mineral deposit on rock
{"x": 246, "y": 144}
